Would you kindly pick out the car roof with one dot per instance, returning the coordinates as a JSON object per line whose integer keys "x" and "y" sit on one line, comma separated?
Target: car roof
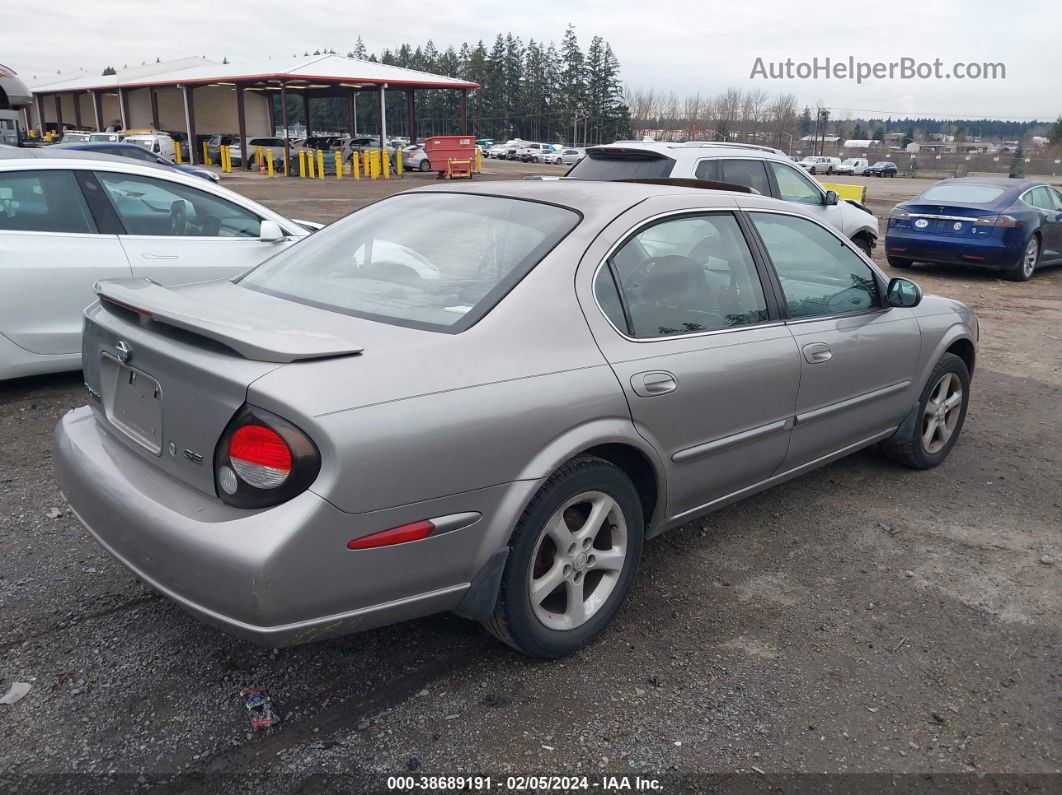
{"x": 596, "y": 197}
{"x": 695, "y": 148}
{"x": 999, "y": 182}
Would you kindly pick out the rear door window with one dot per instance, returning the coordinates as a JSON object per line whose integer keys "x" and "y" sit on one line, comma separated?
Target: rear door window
{"x": 750, "y": 173}
{"x": 683, "y": 276}
{"x": 43, "y": 201}
{"x": 620, "y": 164}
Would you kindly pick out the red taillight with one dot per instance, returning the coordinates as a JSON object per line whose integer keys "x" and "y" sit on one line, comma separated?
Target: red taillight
{"x": 123, "y": 305}
{"x": 263, "y": 460}
{"x": 1005, "y": 221}
{"x": 260, "y": 456}
{"x": 414, "y": 531}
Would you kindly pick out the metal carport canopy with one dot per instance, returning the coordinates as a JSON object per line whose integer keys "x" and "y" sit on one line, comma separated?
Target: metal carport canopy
{"x": 328, "y": 75}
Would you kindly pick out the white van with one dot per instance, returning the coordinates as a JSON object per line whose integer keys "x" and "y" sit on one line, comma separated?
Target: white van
{"x": 159, "y": 143}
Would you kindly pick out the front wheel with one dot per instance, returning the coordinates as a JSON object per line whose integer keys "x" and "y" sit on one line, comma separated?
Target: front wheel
{"x": 573, "y": 559}
{"x": 939, "y": 418}
{"x": 863, "y": 244}
{"x": 1024, "y": 268}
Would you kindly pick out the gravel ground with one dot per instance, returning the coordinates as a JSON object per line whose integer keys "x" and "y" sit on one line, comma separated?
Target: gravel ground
{"x": 863, "y": 619}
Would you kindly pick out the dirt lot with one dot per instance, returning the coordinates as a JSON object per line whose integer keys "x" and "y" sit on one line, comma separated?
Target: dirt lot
{"x": 861, "y": 619}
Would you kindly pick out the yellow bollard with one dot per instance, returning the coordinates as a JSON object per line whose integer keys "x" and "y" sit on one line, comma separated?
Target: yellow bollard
{"x": 339, "y": 165}
{"x": 286, "y": 166}
{"x": 269, "y": 161}
{"x": 206, "y": 154}
{"x": 366, "y": 164}
{"x": 177, "y": 152}
{"x": 355, "y": 165}
{"x": 302, "y": 165}
{"x": 259, "y": 158}
{"x": 386, "y": 163}
{"x": 479, "y": 160}
{"x": 311, "y": 163}
{"x": 320, "y": 164}
{"x": 398, "y": 161}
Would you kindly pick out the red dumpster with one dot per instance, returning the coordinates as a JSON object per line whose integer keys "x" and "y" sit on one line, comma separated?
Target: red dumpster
{"x": 441, "y": 149}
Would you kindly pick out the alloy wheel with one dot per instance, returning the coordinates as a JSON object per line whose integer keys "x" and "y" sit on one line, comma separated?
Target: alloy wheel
{"x": 941, "y": 414}
{"x": 1032, "y": 254}
{"x": 577, "y": 560}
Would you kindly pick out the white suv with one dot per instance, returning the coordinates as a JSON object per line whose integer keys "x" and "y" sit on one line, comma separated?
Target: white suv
{"x": 819, "y": 165}
{"x": 761, "y": 169}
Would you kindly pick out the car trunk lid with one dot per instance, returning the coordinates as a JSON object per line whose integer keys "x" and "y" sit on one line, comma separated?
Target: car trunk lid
{"x": 168, "y": 368}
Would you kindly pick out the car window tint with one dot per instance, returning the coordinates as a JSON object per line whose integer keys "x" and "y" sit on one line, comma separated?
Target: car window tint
{"x": 687, "y": 275}
{"x": 1040, "y": 198}
{"x": 435, "y": 261}
{"x": 750, "y": 173}
{"x": 43, "y": 201}
{"x": 608, "y": 298}
{"x": 1056, "y": 197}
{"x": 794, "y": 186}
{"x": 150, "y": 206}
{"x": 820, "y": 275}
{"x": 964, "y": 193}
{"x": 707, "y": 169}
{"x": 635, "y": 165}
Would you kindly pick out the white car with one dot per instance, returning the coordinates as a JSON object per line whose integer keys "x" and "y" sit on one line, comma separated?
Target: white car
{"x": 761, "y": 169}
{"x": 158, "y": 143}
{"x": 820, "y": 165}
{"x": 275, "y": 145}
{"x": 856, "y": 166}
{"x": 414, "y": 158}
{"x": 533, "y": 152}
{"x": 70, "y": 219}
{"x": 565, "y": 157}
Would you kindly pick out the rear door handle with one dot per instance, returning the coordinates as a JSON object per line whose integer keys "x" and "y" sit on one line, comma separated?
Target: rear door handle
{"x": 656, "y": 382}
{"x": 817, "y": 352}
{"x": 149, "y": 255}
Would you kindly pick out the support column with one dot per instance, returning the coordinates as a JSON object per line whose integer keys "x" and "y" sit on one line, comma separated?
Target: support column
{"x": 189, "y": 123}
{"x": 306, "y": 112}
{"x": 242, "y": 120}
{"x": 154, "y": 108}
{"x": 383, "y": 122}
{"x": 59, "y": 112}
{"x": 271, "y": 107}
{"x": 464, "y": 111}
{"x": 41, "y": 124}
{"x": 123, "y": 108}
{"x": 284, "y": 119}
{"x": 97, "y": 110}
{"x": 351, "y": 127}
{"x": 77, "y": 110}
{"x": 411, "y": 111}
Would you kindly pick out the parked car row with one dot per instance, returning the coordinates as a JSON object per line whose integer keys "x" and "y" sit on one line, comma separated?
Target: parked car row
{"x": 532, "y": 152}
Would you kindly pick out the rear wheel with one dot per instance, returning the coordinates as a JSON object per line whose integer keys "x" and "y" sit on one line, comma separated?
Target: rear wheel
{"x": 939, "y": 417}
{"x": 425, "y": 165}
{"x": 1024, "y": 268}
{"x": 899, "y": 262}
{"x": 573, "y": 559}
{"x": 829, "y": 170}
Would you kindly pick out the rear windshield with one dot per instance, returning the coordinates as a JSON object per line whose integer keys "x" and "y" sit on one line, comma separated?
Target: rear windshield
{"x": 438, "y": 261}
{"x": 964, "y": 194}
{"x": 631, "y": 164}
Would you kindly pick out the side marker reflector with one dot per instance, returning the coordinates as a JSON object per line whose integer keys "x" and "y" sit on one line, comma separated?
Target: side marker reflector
{"x": 414, "y": 531}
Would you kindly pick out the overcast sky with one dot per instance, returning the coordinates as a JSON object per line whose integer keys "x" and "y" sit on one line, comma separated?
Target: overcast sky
{"x": 685, "y": 46}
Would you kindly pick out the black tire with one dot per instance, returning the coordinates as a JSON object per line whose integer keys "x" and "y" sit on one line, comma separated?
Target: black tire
{"x": 863, "y": 244}
{"x": 829, "y": 170}
{"x": 514, "y": 621}
{"x": 425, "y": 165}
{"x": 1018, "y": 272}
{"x": 899, "y": 262}
{"x": 909, "y": 449}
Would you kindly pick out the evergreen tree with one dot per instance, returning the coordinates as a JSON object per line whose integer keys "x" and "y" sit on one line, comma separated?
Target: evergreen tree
{"x": 359, "y": 51}
{"x": 572, "y": 95}
{"x": 806, "y": 123}
{"x": 1055, "y": 136}
{"x": 110, "y": 70}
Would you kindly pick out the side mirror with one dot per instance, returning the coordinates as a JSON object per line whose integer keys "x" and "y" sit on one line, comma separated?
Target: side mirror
{"x": 831, "y": 198}
{"x": 270, "y": 232}
{"x": 903, "y": 293}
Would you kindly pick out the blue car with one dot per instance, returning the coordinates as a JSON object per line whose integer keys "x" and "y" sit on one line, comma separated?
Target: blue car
{"x": 135, "y": 152}
{"x": 1001, "y": 224}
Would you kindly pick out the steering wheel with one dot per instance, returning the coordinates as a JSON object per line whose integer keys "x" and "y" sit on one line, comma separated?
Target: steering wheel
{"x": 178, "y": 218}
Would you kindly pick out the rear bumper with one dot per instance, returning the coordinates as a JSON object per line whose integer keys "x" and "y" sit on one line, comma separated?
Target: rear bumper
{"x": 279, "y": 576}
{"x": 925, "y": 247}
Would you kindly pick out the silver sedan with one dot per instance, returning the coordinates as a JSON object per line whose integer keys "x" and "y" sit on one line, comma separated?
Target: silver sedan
{"x": 485, "y": 399}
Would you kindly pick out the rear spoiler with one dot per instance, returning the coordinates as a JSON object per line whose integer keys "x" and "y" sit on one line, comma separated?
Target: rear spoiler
{"x": 704, "y": 184}
{"x": 259, "y": 337}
